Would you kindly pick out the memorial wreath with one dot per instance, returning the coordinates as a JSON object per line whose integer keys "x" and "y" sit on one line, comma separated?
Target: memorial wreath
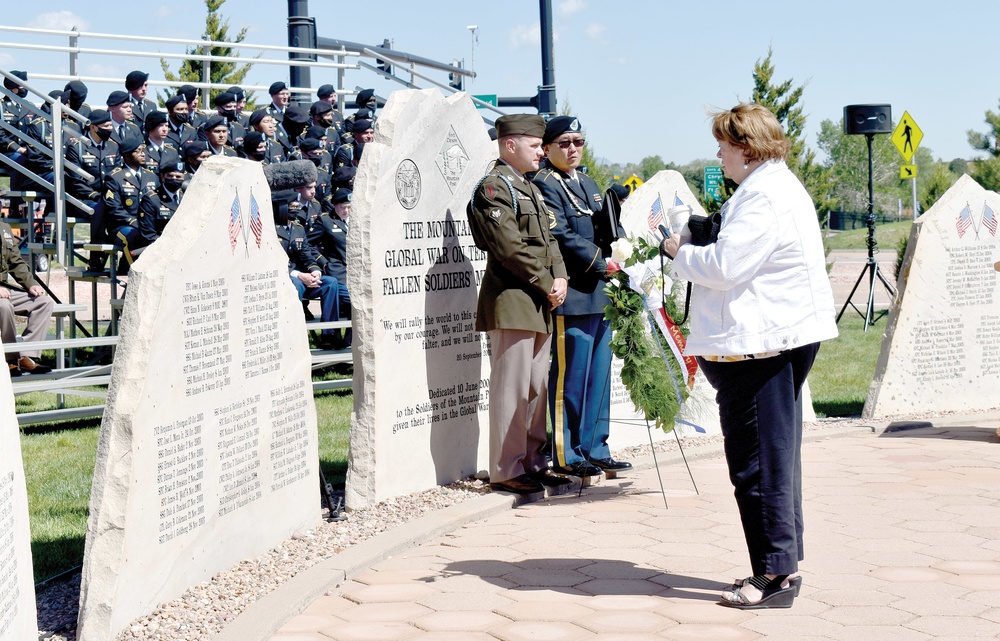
{"x": 647, "y": 340}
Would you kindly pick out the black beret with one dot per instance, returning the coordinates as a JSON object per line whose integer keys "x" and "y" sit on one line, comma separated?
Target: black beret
{"x": 224, "y": 98}
{"x": 215, "y": 121}
{"x": 76, "y": 89}
{"x": 194, "y": 148}
{"x": 342, "y": 195}
{"x": 309, "y": 144}
{"x": 315, "y": 131}
{"x": 363, "y": 114}
{"x": 59, "y": 94}
{"x": 131, "y": 143}
{"x": 363, "y": 97}
{"x": 117, "y": 98}
{"x": 135, "y": 79}
{"x": 251, "y": 141}
{"x": 10, "y": 84}
{"x": 189, "y": 92}
{"x": 170, "y": 161}
{"x": 320, "y": 107}
{"x": 173, "y": 101}
{"x": 276, "y": 87}
{"x": 295, "y": 115}
{"x": 362, "y": 125}
{"x": 325, "y": 90}
{"x": 99, "y": 116}
{"x": 154, "y": 119}
{"x": 283, "y": 195}
{"x": 492, "y": 131}
{"x": 238, "y": 92}
{"x": 558, "y": 126}
{"x": 521, "y": 124}
{"x": 344, "y": 175}
{"x": 257, "y": 116}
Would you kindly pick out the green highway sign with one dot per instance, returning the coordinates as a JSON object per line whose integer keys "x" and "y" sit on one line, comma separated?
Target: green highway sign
{"x": 713, "y": 182}
{"x": 489, "y": 98}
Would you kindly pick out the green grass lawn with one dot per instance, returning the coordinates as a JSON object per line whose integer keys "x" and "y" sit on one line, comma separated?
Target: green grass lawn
{"x": 887, "y": 236}
{"x": 844, "y": 367}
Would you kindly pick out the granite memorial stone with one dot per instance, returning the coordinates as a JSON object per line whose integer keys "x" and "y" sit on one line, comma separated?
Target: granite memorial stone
{"x": 208, "y": 450}
{"x": 18, "y": 619}
{"x": 941, "y": 349}
{"x": 421, "y": 371}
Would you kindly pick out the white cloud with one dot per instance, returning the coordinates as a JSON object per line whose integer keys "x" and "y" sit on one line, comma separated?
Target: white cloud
{"x": 595, "y": 31}
{"x": 60, "y": 20}
{"x": 525, "y": 35}
{"x": 569, "y": 7}
{"x": 6, "y": 61}
{"x": 162, "y": 12}
{"x": 103, "y": 70}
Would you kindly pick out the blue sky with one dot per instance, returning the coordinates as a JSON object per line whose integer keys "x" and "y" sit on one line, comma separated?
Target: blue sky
{"x": 641, "y": 78}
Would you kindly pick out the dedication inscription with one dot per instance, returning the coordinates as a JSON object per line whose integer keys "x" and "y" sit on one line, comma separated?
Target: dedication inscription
{"x": 210, "y": 428}
{"x": 420, "y": 367}
{"x": 940, "y": 350}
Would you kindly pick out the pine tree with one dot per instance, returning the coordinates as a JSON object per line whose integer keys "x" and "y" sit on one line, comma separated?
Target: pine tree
{"x": 228, "y": 73}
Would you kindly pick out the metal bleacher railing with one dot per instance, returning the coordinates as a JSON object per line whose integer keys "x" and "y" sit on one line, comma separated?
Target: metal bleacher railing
{"x": 56, "y": 229}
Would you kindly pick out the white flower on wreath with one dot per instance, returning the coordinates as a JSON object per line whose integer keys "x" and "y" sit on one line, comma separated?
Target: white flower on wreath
{"x": 621, "y": 250}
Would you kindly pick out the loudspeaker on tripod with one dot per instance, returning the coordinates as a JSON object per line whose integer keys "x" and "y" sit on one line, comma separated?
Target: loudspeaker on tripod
{"x": 867, "y": 119}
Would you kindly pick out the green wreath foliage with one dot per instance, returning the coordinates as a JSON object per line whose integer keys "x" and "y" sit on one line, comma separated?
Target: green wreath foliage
{"x": 650, "y": 372}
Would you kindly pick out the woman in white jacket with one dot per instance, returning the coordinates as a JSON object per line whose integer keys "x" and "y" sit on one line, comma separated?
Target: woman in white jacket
{"x": 760, "y": 305}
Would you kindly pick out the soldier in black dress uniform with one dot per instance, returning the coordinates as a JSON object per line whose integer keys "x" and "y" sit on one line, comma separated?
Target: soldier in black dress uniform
{"x": 120, "y": 108}
{"x": 156, "y": 209}
{"x": 580, "y": 375}
{"x": 157, "y": 143}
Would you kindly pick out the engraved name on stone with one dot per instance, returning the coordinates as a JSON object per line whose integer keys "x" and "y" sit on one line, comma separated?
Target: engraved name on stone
{"x": 10, "y": 592}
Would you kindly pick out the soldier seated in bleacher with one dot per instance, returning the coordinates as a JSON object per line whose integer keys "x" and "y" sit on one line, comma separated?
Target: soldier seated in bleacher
{"x": 156, "y": 209}
{"x": 124, "y": 188}
{"x": 303, "y": 262}
{"x": 26, "y": 298}
{"x": 96, "y": 154}
{"x": 157, "y": 143}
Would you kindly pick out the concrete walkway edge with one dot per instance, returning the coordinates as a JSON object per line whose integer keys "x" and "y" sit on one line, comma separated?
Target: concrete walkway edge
{"x": 265, "y": 616}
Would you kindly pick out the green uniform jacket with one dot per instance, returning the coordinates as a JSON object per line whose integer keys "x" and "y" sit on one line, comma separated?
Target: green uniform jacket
{"x": 11, "y": 262}
{"x": 523, "y": 258}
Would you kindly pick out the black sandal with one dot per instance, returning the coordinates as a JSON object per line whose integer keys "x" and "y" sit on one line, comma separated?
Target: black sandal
{"x": 778, "y": 592}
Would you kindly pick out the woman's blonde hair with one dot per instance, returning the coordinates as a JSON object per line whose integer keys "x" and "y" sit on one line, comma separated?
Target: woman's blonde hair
{"x": 752, "y": 128}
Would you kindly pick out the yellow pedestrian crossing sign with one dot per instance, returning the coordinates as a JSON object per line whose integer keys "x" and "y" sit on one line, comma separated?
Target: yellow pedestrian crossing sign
{"x": 907, "y": 171}
{"x": 633, "y": 182}
{"x": 907, "y": 136}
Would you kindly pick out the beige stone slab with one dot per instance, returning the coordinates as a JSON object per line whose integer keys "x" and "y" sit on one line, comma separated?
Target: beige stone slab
{"x": 951, "y": 627}
{"x": 544, "y": 611}
{"x": 379, "y": 612}
{"x": 371, "y": 631}
{"x": 707, "y": 632}
{"x": 457, "y": 620}
{"x": 388, "y": 593}
{"x": 420, "y": 399}
{"x": 18, "y": 618}
{"x": 209, "y": 431}
{"x": 541, "y": 630}
{"x": 851, "y": 615}
{"x": 609, "y": 621}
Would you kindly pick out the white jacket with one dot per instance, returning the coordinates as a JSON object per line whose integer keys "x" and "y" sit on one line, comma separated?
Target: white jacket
{"x": 763, "y": 286}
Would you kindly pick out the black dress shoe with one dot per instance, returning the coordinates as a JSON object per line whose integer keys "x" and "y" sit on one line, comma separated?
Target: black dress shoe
{"x": 518, "y": 485}
{"x": 580, "y": 468}
{"x": 611, "y": 464}
{"x": 548, "y": 478}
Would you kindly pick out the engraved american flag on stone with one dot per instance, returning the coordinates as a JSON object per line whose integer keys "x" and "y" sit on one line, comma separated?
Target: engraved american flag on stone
{"x": 235, "y": 222}
{"x": 255, "y": 225}
{"x": 964, "y": 221}
{"x": 989, "y": 220}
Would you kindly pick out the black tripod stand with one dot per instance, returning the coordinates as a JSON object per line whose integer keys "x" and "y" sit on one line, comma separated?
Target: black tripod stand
{"x": 871, "y": 268}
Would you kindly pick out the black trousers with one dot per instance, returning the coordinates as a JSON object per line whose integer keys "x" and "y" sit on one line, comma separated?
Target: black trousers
{"x": 760, "y": 409}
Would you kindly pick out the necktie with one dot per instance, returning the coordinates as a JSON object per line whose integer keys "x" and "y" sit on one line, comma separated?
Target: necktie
{"x": 121, "y": 132}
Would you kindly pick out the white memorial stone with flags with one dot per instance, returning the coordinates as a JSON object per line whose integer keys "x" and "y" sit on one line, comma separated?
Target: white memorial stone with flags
{"x": 208, "y": 449}
{"x": 18, "y": 619}
{"x": 941, "y": 349}
{"x": 421, "y": 371}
